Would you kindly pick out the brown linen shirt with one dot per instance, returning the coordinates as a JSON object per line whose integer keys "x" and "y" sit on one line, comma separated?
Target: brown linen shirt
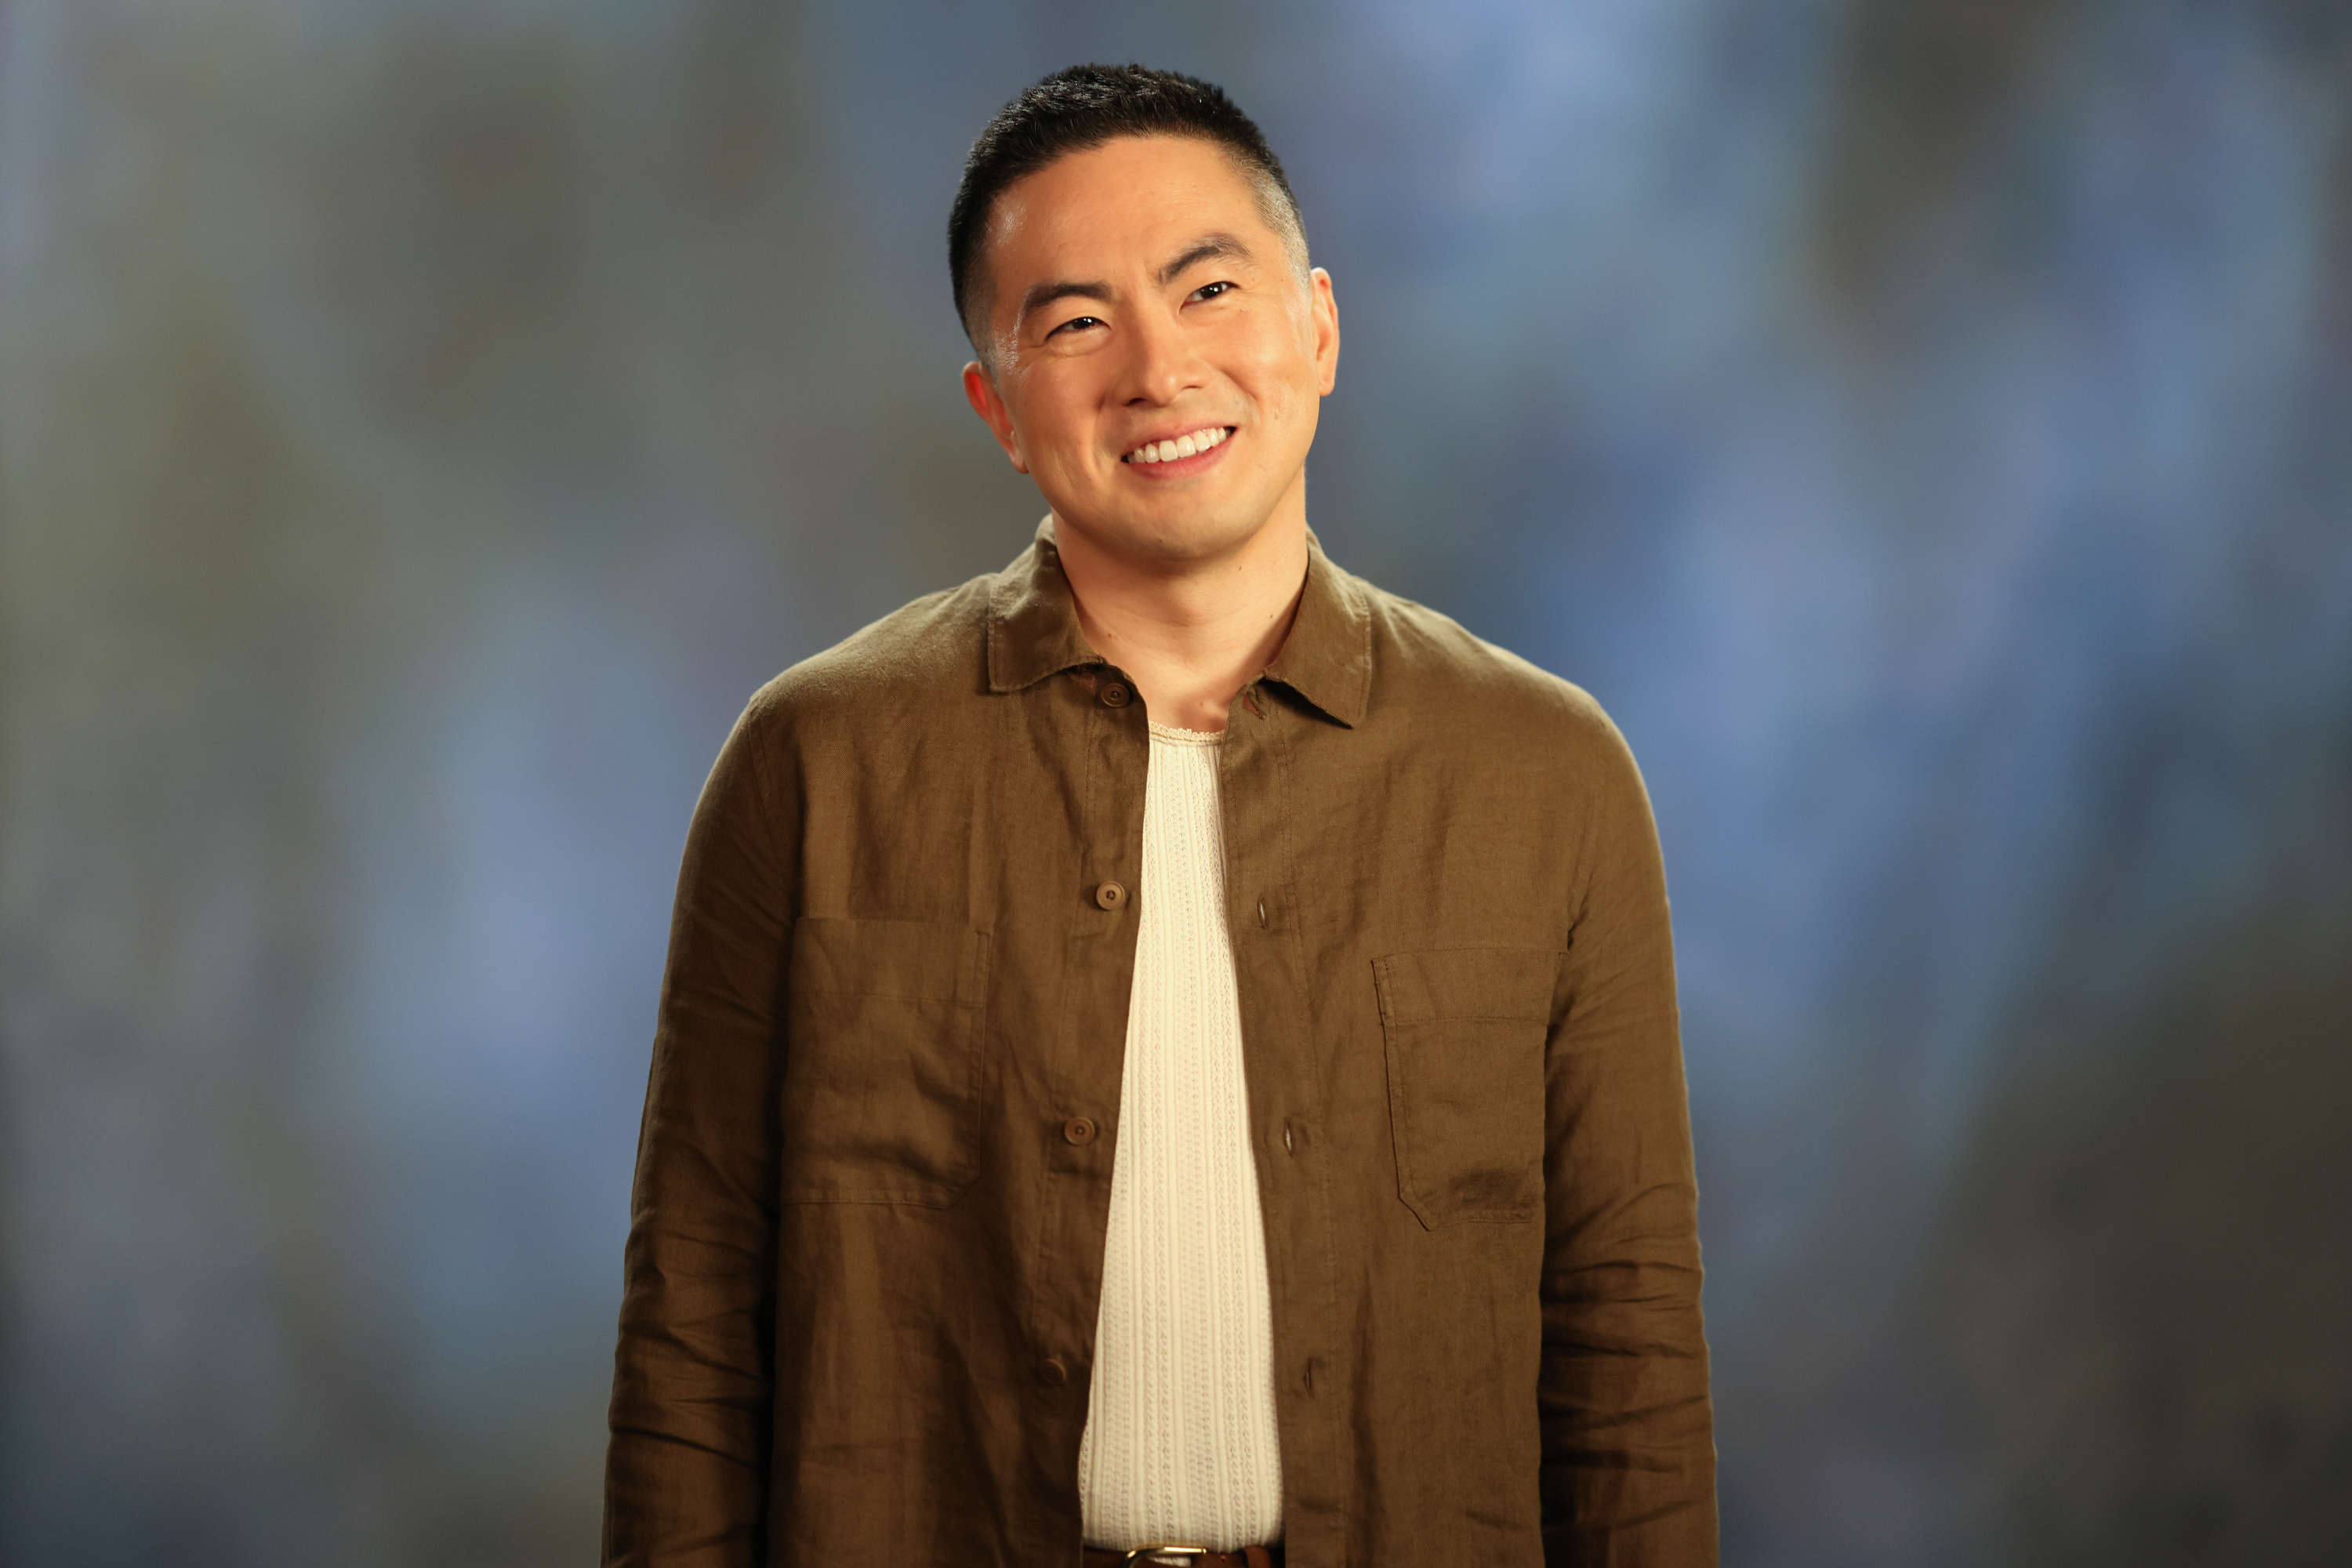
{"x": 874, "y": 1169}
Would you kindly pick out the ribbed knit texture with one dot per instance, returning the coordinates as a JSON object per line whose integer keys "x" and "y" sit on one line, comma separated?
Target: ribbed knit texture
{"x": 1179, "y": 1445}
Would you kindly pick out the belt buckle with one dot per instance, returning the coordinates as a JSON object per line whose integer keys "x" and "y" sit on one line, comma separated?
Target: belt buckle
{"x": 1170, "y": 1553}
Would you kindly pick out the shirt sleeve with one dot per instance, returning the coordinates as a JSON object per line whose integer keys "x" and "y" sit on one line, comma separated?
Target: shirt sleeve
{"x": 686, "y": 1478}
{"x": 1628, "y": 1476}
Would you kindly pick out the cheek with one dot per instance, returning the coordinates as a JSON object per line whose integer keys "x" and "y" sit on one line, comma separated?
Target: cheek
{"x": 1054, "y": 423}
{"x": 1284, "y": 389}
{"x": 1276, "y": 368}
{"x": 1033, "y": 433}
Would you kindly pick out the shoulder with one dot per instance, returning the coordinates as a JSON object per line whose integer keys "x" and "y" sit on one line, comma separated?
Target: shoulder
{"x": 1428, "y": 667}
{"x": 916, "y": 654}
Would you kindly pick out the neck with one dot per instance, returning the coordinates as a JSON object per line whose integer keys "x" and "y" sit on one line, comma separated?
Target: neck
{"x": 1192, "y": 633}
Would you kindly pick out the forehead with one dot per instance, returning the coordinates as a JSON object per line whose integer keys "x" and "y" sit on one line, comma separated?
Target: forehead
{"x": 1128, "y": 201}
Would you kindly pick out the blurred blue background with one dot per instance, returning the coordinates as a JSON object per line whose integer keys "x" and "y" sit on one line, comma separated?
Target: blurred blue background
{"x": 1926, "y": 424}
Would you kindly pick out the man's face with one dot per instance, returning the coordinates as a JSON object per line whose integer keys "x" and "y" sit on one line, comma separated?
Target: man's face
{"x": 1140, "y": 298}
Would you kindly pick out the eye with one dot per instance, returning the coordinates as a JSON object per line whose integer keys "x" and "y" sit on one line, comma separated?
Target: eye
{"x": 1211, "y": 291}
{"x": 1076, "y": 324}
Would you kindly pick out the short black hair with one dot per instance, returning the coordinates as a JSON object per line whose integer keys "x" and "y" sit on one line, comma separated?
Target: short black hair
{"x": 1082, "y": 108}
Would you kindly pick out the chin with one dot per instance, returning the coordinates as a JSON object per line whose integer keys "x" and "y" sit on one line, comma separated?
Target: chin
{"x": 1198, "y": 535}
{"x": 1210, "y": 525}
{"x": 1173, "y": 532}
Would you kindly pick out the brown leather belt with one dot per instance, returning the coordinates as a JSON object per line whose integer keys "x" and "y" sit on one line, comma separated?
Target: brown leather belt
{"x": 1186, "y": 1557}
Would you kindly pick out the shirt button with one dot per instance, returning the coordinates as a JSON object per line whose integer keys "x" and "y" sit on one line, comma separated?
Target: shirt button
{"x": 1116, "y": 695}
{"x": 1110, "y": 895}
{"x": 1079, "y": 1129}
{"x": 1286, "y": 1144}
{"x": 1052, "y": 1373}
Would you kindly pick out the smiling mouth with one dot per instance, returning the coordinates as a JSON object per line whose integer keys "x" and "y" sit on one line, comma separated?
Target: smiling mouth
{"x": 1191, "y": 444}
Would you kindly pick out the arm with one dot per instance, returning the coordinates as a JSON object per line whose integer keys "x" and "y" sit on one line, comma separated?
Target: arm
{"x": 1628, "y": 1431}
{"x": 686, "y": 1478}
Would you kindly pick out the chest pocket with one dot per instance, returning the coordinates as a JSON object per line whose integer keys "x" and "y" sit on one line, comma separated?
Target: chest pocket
{"x": 1465, "y": 1029}
{"x": 882, "y": 1064}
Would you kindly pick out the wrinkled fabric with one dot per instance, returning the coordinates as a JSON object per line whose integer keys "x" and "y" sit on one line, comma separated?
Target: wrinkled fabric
{"x": 874, "y": 1173}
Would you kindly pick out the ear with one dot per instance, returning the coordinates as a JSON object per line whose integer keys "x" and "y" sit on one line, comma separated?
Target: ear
{"x": 1326, "y": 331}
{"x": 979, "y": 391}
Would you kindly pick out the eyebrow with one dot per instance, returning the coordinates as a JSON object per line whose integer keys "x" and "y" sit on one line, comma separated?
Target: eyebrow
{"x": 1041, "y": 295}
{"x": 1208, "y": 247}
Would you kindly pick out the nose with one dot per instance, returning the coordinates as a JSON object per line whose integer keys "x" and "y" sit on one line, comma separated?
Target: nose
{"x": 1161, "y": 364}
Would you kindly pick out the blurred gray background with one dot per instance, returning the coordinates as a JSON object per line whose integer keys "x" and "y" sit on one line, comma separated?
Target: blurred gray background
{"x": 1926, "y": 424}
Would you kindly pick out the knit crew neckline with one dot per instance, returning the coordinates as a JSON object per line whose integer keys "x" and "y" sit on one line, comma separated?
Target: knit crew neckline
{"x": 1176, "y": 735}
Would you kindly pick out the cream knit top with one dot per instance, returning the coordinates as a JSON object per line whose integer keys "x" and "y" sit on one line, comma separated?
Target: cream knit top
{"x": 1179, "y": 1444}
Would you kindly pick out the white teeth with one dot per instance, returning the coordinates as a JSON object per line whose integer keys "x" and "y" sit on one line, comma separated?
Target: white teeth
{"x": 1190, "y": 445}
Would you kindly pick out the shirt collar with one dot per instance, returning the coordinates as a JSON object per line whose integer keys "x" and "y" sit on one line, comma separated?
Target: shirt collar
{"x": 1033, "y": 621}
{"x": 1032, "y": 631}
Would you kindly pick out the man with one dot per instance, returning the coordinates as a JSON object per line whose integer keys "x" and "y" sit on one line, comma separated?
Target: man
{"x": 1166, "y": 1046}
